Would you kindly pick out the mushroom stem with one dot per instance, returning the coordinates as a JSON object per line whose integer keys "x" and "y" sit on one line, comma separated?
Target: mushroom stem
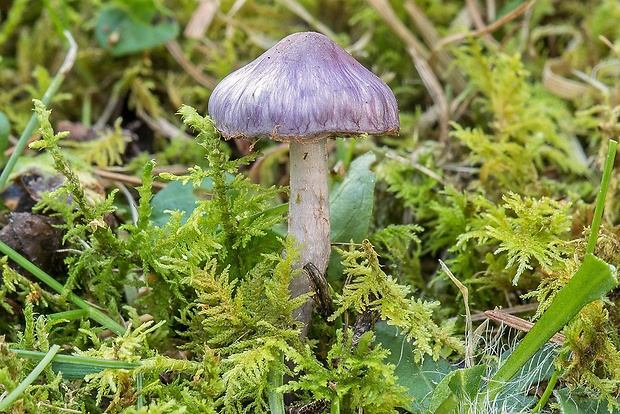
{"x": 308, "y": 215}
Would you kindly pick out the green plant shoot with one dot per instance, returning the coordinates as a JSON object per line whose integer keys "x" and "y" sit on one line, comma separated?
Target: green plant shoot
{"x": 593, "y": 280}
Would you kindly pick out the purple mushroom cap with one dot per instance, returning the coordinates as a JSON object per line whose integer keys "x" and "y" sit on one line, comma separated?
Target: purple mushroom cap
{"x": 304, "y": 88}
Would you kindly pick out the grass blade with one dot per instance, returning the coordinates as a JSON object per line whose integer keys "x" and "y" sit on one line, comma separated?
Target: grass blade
{"x": 14, "y": 395}
{"x": 93, "y": 312}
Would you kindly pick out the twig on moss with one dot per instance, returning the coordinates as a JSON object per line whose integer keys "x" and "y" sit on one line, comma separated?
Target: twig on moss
{"x": 126, "y": 179}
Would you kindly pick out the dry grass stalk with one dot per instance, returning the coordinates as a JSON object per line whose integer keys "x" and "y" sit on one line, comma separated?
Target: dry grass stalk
{"x": 201, "y": 19}
{"x": 520, "y": 324}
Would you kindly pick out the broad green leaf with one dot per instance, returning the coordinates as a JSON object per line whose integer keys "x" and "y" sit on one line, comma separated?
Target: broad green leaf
{"x": 350, "y": 207}
{"x": 443, "y": 399}
{"x": 121, "y": 31}
{"x": 459, "y": 386}
{"x": 460, "y": 389}
{"x": 574, "y": 403}
{"x": 177, "y": 196}
{"x": 183, "y": 197}
{"x": 419, "y": 378}
{"x": 464, "y": 384}
{"x": 350, "y": 203}
{"x": 516, "y": 395}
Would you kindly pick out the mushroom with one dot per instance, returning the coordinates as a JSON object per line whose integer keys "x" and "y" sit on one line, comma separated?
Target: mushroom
{"x": 304, "y": 90}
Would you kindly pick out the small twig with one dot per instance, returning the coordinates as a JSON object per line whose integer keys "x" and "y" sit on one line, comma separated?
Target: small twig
{"x": 434, "y": 89}
{"x": 74, "y": 251}
{"x": 127, "y": 179}
{"x": 177, "y": 53}
{"x": 346, "y": 244}
{"x": 528, "y": 307}
{"x": 11, "y": 150}
{"x": 228, "y": 17}
{"x": 361, "y": 42}
{"x": 559, "y": 85}
{"x": 305, "y": 15}
{"x": 313, "y": 407}
{"x": 469, "y": 350}
{"x": 458, "y": 106}
{"x": 478, "y": 22}
{"x": 83, "y": 242}
{"x": 488, "y": 29}
{"x": 322, "y": 296}
{"x": 67, "y": 64}
{"x": 591, "y": 80}
{"x": 201, "y": 19}
{"x": 107, "y": 112}
{"x": 610, "y": 46}
{"x": 255, "y": 169}
{"x": 163, "y": 126}
{"x": 172, "y": 169}
{"x": 64, "y": 410}
{"x": 130, "y": 201}
{"x": 345, "y": 331}
{"x": 475, "y": 15}
{"x": 525, "y": 28}
{"x": 461, "y": 169}
{"x": 601, "y": 66}
{"x": 491, "y": 10}
{"x": 520, "y": 324}
{"x": 417, "y": 166}
{"x": 431, "y": 36}
{"x": 384, "y": 9}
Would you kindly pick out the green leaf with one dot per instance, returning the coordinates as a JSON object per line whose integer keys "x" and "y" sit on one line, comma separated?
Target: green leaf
{"x": 574, "y": 403}
{"x": 350, "y": 208}
{"x": 181, "y": 197}
{"x": 122, "y": 32}
{"x": 5, "y": 128}
{"x": 350, "y": 204}
{"x": 419, "y": 378}
{"x": 8, "y": 400}
{"x": 459, "y": 386}
{"x": 77, "y": 367}
{"x": 464, "y": 384}
{"x": 593, "y": 280}
{"x": 177, "y": 196}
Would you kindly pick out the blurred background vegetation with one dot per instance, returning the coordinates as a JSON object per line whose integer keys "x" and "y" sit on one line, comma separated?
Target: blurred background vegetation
{"x": 506, "y": 110}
